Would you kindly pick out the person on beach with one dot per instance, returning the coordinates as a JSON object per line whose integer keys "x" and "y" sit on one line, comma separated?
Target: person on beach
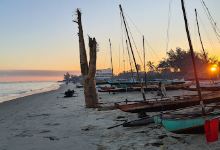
{"x": 161, "y": 90}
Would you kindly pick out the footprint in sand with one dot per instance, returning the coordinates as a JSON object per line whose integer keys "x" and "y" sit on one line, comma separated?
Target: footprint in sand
{"x": 52, "y": 138}
{"x": 52, "y": 124}
{"x": 38, "y": 115}
{"x": 24, "y": 133}
{"x": 156, "y": 143}
{"x": 45, "y": 131}
{"x": 88, "y": 128}
{"x": 28, "y": 133}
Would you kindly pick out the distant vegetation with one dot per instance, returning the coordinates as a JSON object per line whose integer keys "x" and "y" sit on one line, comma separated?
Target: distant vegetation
{"x": 70, "y": 78}
{"x": 178, "y": 64}
{"x": 180, "y": 60}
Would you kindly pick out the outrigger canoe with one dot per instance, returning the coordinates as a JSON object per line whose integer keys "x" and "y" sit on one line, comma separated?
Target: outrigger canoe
{"x": 166, "y": 104}
{"x": 185, "y": 123}
{"x": 138, "y": 88}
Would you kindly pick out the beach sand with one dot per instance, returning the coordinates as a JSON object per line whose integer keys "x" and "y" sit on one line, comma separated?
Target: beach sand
{"x": 47, "y": 121}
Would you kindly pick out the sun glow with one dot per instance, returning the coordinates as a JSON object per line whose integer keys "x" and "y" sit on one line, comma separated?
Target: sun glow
{"x": 213, "y": 68}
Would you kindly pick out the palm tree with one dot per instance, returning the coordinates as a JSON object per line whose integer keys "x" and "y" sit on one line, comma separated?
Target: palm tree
{"x": 138, "y": 67}
{"x": 67, "y": 77}
{"x": 151, "y": 66}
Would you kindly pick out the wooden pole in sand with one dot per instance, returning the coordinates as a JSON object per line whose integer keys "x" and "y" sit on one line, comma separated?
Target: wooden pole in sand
{"x": 129, "y": 41}
{"x": 132, "y": 74}
{"x": 145, "y": 75}
{"x": 193, "y": 56}
{"x": 110, "y": 44}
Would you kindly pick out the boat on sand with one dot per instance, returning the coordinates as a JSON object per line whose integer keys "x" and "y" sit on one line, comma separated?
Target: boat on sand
{"x": 165, "y": 104}
{"x": 185, "y": 123}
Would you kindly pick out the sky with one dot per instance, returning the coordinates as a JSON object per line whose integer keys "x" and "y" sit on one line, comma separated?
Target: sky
{"x": 40, "y": 34}
{"x": 32, "y": 75}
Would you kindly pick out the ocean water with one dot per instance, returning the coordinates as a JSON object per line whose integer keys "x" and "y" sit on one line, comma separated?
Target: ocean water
{"x": 12, "y": 90}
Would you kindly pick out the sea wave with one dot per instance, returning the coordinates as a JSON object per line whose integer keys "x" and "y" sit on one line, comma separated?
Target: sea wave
{"x": 13, "y": 90}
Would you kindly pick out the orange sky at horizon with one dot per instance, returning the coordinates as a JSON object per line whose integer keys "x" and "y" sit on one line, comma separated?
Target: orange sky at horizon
{"x": 48, "y": 40}
{"x": 30, "y": 78}
{"x": 33, "y": 75}
{"x": 103, "y": 62}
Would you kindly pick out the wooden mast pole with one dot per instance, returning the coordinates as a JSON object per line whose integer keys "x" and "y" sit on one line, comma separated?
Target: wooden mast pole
{"x": 200, "y": 38}
{"x": 145, "y": 75}
{"x": 193, "y": 56}
{"x": 111, "y": 57}
{"x": 138, "y": 76}
{"x": 132, "y": 74}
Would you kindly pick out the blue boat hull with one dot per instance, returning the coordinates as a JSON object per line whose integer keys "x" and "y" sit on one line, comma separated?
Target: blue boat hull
{"x": 192, "y": 124}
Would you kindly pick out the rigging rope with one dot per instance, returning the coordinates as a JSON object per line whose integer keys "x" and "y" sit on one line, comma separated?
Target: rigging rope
{"x": 119, "y": 60}
{"x": 150, "y": 47}
{"x": 105, "y": 56}
{"x": 138, "y": 30}
{"x": 130, "y": 61}
{"x": 168, "y": 27}
{"x": 211, "y": 20}
{"x": 134, "y": 42}
{"x": 206, "y": 32}
{"x": 195, "y": 40}
{"x": 122, "y": 40}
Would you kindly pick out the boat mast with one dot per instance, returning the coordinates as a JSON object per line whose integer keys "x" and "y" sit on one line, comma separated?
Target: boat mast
{"x": 138, "y": 76}
{"x": 111, "y": 56}
{"x": 145, "y": 75}
{"x": 193, "y": 56}
{"x": 123, "y": 59}
{"x": 200, "y": 38}
{"x": 129, "y": 57}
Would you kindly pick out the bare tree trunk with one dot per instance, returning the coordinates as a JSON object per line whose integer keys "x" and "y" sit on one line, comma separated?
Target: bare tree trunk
{"x": 82, "y": 48}
{"x": 88, "y": 71}
{"x": 89, "y": 84}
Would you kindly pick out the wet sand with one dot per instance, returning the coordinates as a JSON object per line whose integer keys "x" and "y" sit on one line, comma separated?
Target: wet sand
{"x": 47, "y": 121}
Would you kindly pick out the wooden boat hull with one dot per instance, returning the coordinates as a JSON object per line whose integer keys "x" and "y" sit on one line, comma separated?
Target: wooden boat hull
{"x": 164, "y": 105}
{"x": 123, "y": 82}
{"x": 138, "y": 88}
{"x": 204, "y": 89}
{"x": 106, "y": 88}
{"x": 184, "y": 125}
{"x": 114, "y": 90}
{"x": 101, "y": 82}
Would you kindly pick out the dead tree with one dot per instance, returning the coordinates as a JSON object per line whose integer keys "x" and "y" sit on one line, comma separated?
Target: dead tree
{"x": 88, "y": 70}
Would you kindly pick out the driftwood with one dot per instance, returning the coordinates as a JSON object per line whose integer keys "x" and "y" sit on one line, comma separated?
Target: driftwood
{"x": 87, "y": 70}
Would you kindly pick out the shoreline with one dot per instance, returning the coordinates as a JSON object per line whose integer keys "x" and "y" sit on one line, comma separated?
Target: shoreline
{"x": 26, "y": 97}
{"x": 31, "y": 92}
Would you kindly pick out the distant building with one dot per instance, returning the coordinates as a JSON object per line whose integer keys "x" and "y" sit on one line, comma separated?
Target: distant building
{"x": 103, "y": 74}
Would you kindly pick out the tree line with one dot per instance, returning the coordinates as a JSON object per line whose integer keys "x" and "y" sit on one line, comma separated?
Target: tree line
{"x": 178, "y": 63}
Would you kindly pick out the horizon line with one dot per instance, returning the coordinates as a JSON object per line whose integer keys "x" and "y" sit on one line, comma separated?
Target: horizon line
{"x": 36, "y": 70}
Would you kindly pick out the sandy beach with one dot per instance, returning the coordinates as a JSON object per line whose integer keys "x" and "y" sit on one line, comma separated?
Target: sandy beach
{"x": 47, "y": 121}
